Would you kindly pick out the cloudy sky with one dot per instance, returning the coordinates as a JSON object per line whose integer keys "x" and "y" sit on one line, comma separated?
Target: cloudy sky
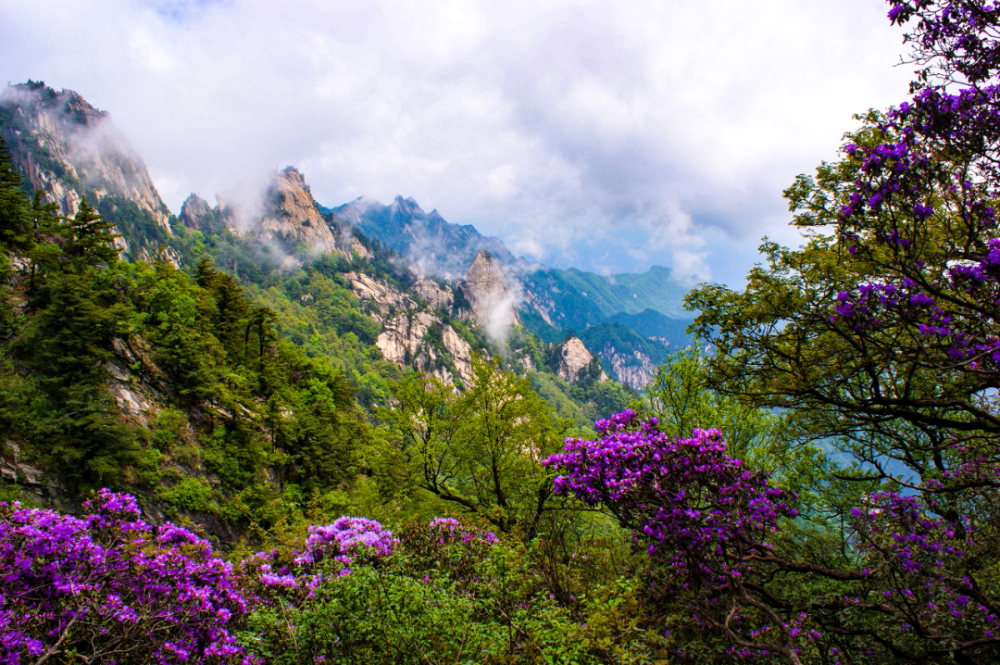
{"x": 610, "y": 136}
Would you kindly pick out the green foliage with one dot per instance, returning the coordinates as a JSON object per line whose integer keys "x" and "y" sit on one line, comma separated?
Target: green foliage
{"x": 478, "y": 450}
{"x": 14, "y": 231}
{"x": 192, "y": 494}
{"x": 681, "y": 399}
{"x": 460, "y": 599}
{"x": 137, "y": 227}
{"x": 624, "y": 341}
{"x": 585, "y": 298}
{"x": 651, "y": 323}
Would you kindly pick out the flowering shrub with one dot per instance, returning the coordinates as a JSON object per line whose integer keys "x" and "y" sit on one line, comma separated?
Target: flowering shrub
{"x": 881, "y": 335}
{"x": 109, "y": 587}
{"x": 701, "y": 515}
{"x": 345, "y": 539}
{"x": 448, "y": 548}
{"x": 441, "y": 592}
{"x": 330, "y": 550}
{"x": 701, "y": 512}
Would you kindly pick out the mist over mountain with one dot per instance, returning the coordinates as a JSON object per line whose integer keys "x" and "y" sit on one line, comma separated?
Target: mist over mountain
{"x": 70, "y": 150}
{"x": 551, "y": 300}
{"x": 432, "y": 244}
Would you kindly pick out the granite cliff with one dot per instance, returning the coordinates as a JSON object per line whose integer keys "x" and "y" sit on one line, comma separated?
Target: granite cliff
{"x": 492, "y": 297}
{"x": 70, "y": 150}
{"x": 286, "y": 215}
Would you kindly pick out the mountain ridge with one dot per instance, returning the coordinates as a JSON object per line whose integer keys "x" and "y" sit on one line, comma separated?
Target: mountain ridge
{"x": 71, "y": 150}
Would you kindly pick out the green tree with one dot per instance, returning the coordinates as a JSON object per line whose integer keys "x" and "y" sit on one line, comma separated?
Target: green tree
{"x": 479, "y": 450}
{"x": 14, "y": 230}
{"x": 503, "y": 430}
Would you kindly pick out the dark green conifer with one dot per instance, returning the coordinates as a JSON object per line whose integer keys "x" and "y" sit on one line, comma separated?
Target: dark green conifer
{"x": 13, "y": 217}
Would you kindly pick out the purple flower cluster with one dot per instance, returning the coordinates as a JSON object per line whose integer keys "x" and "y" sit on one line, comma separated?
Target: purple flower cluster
{"x": 925, "y": 188}
{"x": 699, "y": 510}
{"x": 110, "y": 587}
{"x": 921, "y": 552}
{"x": 449, "y": 529}
{"x": 345, "y": 539}
{"x": 329, "y": 551}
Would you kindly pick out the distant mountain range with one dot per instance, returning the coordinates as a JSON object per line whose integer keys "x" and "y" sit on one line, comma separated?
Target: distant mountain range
{"x": 553, "y": 302}
{"x": 70, "y": 150}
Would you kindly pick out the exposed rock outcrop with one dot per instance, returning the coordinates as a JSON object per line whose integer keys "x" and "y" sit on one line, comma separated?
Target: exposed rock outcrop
{"x": 290, "y": 214}
{"x": 412, "y": 337}
{"x": 574, "y": 358}
{"x": 635, "y": 370}
{"x": 198, "y": 215}
{"x": 492, "y": 297}
{"x": 386, "y": 299}
{"x": 542, "y": 303}
{"x": 402, "y": 336}
{"x": 438, "y": 297}
{"x": 69, "y": 149}
{"x": 286, "y": 214}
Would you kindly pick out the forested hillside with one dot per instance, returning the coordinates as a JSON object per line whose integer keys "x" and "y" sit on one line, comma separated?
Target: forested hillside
{"x": 231, "y": 379}
{"x": 252, "y": 464}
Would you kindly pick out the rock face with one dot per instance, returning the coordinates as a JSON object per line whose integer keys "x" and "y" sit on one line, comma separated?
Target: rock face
{"x": 439, "y": 297}
{"x": 69, "y": 149}
{"x": 198, "y": 215}
{"x": 286, "y": 213}
{"x": 574, "y": 358}
{"x": 413, "y": 336}
{"x": 291, "y": 214}
{"x": 635, "y": 370}
{"x": 491, "y": 296}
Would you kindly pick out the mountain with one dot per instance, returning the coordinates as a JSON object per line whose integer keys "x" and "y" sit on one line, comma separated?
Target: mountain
{"x": 562, "y": 298}
{"x": 550, "y": 302}
{"x": 432, "y": 244}
{"x": 285, "y": 217}
{"x": 71, "y": 150}
{"x": 492, "y": 299}
{"x": 575, "y": 299}
{"x": 653, "y": 325}
{"x": 631, "y": 358}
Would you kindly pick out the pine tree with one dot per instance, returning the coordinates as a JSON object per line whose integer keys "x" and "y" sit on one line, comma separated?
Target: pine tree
{"x": 13, "y": 214}
{"x": 90, "y": 239}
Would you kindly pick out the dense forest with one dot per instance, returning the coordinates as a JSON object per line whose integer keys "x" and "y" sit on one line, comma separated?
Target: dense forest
{"x": 821, "y": 488}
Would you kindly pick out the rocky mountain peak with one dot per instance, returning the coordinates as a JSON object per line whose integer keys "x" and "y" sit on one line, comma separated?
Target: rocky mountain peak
{"x": 491, "y": 295}
{"x": 407, "y": 206}
{"x": 286, "y": 212}
{"x": 69, "y": 149}
{"x": 574, "y": 358}
{"x": 354, "y": 211}
{"x": 435, "y": 246}
{"x": 291, "y": 213}
{"x": 197, "y": 214}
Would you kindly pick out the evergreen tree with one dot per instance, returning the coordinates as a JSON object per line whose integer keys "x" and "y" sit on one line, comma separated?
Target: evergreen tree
{"x": 13, "y": 218}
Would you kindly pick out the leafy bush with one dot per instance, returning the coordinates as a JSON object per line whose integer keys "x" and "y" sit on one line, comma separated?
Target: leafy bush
{"x": 109, "y": 587}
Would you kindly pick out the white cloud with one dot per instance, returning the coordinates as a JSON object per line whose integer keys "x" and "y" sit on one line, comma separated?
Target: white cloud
{"x": 609, "y": 134}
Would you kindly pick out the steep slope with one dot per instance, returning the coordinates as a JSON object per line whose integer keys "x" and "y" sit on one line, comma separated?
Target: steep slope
{"x": 653, "y": 325}
{"x": 574, "y": 298}
{"x": 286, "y": 216}
{"x": 575, "y": 361}
{"x": 550, "y": 300}
{"x": 432, "y": 244}
{"x": 491, "y": 296}
{"x": 629, "y": 357}
{"x": 70, "y": 150}
{"x": 421, "y": 336}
